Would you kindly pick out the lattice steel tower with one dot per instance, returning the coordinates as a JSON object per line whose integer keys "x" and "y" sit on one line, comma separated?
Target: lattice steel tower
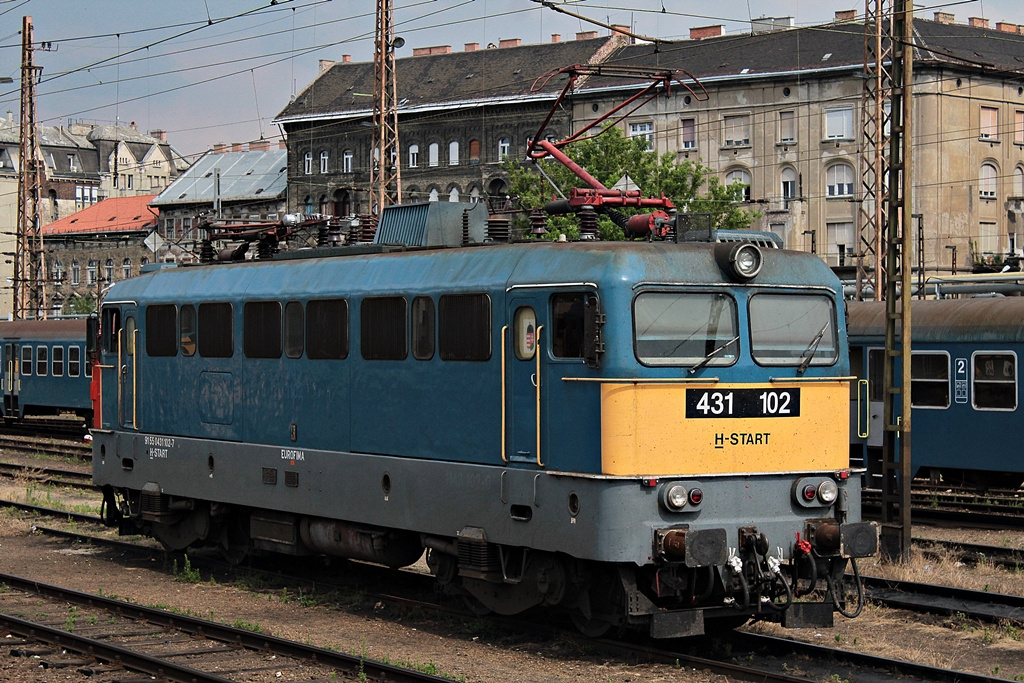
{"x": 385, "y": 166}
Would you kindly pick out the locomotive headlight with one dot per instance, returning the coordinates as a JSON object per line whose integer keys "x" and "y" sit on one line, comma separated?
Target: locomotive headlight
{"x": 828, "y": 491}
{"x": 739, "y": 260}
{"x": 675, "y": 496}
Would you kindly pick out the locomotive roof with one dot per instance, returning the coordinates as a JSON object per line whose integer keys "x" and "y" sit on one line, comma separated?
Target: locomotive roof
{"x": 946, "y": 320}
{"x": 43, "y": 330}
{"x": 492, "y": 267}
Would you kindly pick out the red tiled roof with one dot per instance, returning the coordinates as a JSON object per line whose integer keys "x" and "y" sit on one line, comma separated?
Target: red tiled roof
{"x": 116, "y": 214}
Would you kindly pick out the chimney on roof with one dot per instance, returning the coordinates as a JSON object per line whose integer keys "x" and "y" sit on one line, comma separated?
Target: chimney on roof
{"x": 325, "y": 64}
{"x": 620, "y": 29}
{"x": 1006, "y": 27}
{"x": 435, "y": 50}
{"x": 160, "y": 135}
{"x": 472, "y": 47}
{"x": 978, "y": 22}
{"x": 556, "y": 37}
{"x": 846, "y": 14}
{"x": 346, "y": 59}
{"x": 219, "y": 147}
{"x": 510, "y": 42}
{"x": 259, "y": 146}
{"x": 586, "y": 35}
{"x": 702, "y": 32}
{"x": 945, "y": 17}
{"x": 237, "y": 147}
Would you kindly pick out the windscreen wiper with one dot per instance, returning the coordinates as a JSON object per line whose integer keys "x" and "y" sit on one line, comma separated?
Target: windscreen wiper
{"x": 707, "y": 359}
{"x": 809, "y": 352}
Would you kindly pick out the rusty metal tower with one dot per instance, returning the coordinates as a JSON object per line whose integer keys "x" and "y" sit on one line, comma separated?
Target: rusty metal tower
{"x": 385, "y": 164}
{"x": 29, "y": 263}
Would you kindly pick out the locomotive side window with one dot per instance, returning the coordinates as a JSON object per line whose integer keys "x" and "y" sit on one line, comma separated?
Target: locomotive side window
{"x": 793, "y": 329}
{"x": 293, "y": 329}
{"x": 216, "y": 333}
{"x": 111, "y": 329}
{"x": 464, "y": 327}
{"x": 525, "y": 333}
{"x": 57, "y": 359}
{"x": 261, "y": 329}
{"x": 383, "y": 322}
{"x": 423, "y": 328}
{"x": 42, "y": 361}
{"x": 685, "y": 328}
{"x": 567, "y": 325}
{"x": 26, "y": 360}
{"x": 327, "y": 329}
{"x": 129, "y": 336}
{"x": 187, "y": 320}
{"x": 995, "y": 381}
{"x": 74, "y": 361}
{"x": 162, "y": 330}
{"x": 929, "y": 380}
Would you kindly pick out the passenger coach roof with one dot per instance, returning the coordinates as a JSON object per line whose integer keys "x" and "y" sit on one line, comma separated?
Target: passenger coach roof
{"x": 62, "y": 329}
{"x": 946, "y": 320}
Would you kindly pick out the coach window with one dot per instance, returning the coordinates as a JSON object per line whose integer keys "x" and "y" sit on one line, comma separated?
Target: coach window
{"x": 384, "y": 336}
{"x": 74, "y": 361}
{"x": 327, "y": 329}
{"x": 567, "y": 325}
{"x": 187, "y": 320}
{"x": 423, "y": 328}
{"x": 929, "y": 380}
{"x": 793, "y": 329}
{"x": 525, "y": 333}
{"x": 162, "y": 330}
{"x": 216, "y": 334}
{"x": 685, "y": 328}
{"x": 42, "y": 361}
{"x": 464, "y": 327}
{"x": 57, "y": 361}
{"x": 293, "y": 329}
{"x": 995, "y": 381}
{"x": 261, "y": 336}
{"x": 26, "y": 361}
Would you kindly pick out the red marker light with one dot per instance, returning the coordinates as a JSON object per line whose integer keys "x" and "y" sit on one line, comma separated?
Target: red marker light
{"x": 810, "y": 491}
{"x": 844, "y": 474}
{"x": 649, "y": 483}
{"x": 696, "y": 496}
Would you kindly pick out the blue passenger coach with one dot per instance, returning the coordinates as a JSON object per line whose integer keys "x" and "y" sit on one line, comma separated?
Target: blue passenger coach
{"x": 646, "y": 433}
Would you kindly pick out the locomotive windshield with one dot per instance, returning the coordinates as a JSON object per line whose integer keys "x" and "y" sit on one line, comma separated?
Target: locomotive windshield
{"x": 686, "y": 328}
{"x": 793, "y": 329}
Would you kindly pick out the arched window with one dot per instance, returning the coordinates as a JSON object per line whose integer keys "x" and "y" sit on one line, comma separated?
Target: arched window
{"x": 433, "y": 153}
{"x": 453, "y": 153}
{"x": 144, "y": 261}
{"x": 839, "y": 180}
{"x": 307, "y": 163}
{"x": 58, "y": 272}
{"x": 108, "y": 270}
{"x": 474, "y": 151}
{"x": 308, "y": 205}
{"x": 504, "y": 148}
{"x": 742, "y": 177}
{"x": 433, "y": 195}
{"x": 1018, "y": 182}
{"x": 474, "y": 195}
{"x": 90, "y": 272}
{"x": 987, "y": 181}
{"x": 788, "y": 186}
{"x": 126, "y": 269}
{"x": 414, "y": 156}
{"x": 324, "y": 159}
{"x": 76, "y": 273}
{"x": 453, "y": 194}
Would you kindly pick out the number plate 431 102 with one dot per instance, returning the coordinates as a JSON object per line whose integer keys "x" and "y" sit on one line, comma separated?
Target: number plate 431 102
{"x": 742, "y": 403}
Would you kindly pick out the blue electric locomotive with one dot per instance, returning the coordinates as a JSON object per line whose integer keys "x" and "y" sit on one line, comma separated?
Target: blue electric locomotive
{"x": 964, "y": 389}
{"x": 645, "y": 433}
{"x": 44, "y": 368}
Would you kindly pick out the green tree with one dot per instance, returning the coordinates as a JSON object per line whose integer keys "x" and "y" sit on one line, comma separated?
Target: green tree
{"x": 80, "y": 304}
{"x": 692, "y": 186}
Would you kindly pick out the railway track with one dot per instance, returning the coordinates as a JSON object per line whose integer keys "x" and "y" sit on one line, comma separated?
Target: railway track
{"x": 46, "y": 445}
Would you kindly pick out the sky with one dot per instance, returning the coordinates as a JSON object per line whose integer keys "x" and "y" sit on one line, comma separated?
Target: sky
{"x": 209, "y": 71}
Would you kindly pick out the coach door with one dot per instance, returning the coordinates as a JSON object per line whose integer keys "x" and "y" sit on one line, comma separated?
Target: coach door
{"x": 11, "y": 379}
{"x": 128, "y": 408}
{"x": 524, "y": 382}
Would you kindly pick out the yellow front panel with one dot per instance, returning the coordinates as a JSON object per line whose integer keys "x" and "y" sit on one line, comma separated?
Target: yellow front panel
{"x": 645, "y": 431}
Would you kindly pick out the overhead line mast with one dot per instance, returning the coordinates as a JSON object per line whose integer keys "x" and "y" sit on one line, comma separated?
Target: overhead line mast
{"x": 385, "y": 167}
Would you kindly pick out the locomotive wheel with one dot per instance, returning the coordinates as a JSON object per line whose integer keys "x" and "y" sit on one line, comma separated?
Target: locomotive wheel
{"x": 601, "y": 609}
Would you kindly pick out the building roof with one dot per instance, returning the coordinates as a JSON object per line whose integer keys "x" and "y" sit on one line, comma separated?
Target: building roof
{"x": 503, "y": 74}
{"x": 244, "y": 176}
{"x": 116, "y": 214}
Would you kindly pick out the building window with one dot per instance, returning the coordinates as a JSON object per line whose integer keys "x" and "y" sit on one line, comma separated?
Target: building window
{"x": 453, "y": 194}
{"x": 76, "y": 273}
{"x": 929, "y": 379}
{"x": 346, "y": 161}
{"x": 108, "y": 270}
{"x": 645, "y": 131}
{"x": 989, "y": 123}
{"x": 474, "y": 151}
{"x": 453, "y": 153}
{"x": 688, "y": 133}
{"x": 433, "y": 197}
{"x": 324, "y": 158}
{"x": 788, "y": 186}
{"x": 987, "y": 181}
{"x": 73, "y": 163}
{"x": 840, "y": 241}
{"x": 433, "y": 153}
{"x": 307, "y": 205}
{"x": 129, "y": 181}
{"x": 186, "y": 228}
{"x": 414, "y": 156}
{"x": 1018, "y": 127}
{"x": 787, "y": 127}
{"x": 307, "y": 163}
{"x": 58, "y": 272}
{"x": 169, "y": 228}
{"x": 384, "y": 336}
{"x": 995, "y": 381}
{"x": 987, "y": 242}
{"x": 741, "y": 177}
{"x": 126, "y": 269}
{"x": 839, "y": 124}
{"x": 90, "y": 272}
{"x": 737, "y": 131}
{"x": 1018, "y": 182}
{"x": 504, "y": 148}
{"x": 839, "y": 180}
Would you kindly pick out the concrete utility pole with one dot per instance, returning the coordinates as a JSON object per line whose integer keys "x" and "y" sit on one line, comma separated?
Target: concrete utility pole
{"x": 29, "y": 262}
{"x": 385, "y": 166}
